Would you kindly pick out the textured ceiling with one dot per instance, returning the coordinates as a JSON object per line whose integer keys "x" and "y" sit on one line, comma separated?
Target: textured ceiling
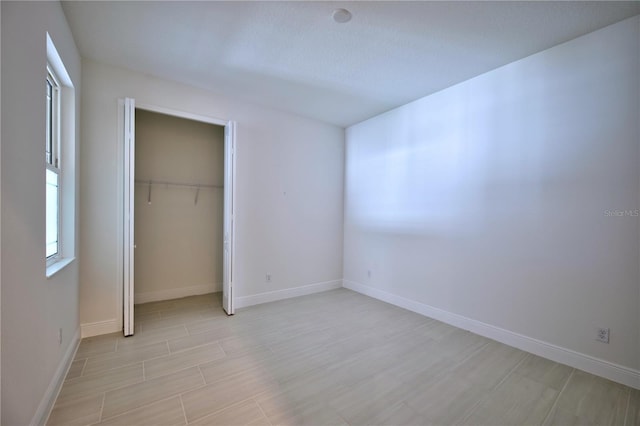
{"x": 294, "y": 57}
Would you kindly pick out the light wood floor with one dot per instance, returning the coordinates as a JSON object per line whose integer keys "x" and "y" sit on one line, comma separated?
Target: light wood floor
{"x": 332, "y": 358}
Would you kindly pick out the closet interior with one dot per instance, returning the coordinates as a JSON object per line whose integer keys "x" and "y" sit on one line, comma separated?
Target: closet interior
{"x": 179, "y": 204}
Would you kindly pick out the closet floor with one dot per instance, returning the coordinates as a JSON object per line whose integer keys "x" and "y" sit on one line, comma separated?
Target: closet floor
{"x": 332, "y": 358}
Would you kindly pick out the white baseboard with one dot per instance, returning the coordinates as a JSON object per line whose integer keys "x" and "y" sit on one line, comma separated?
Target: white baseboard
{"x": 176, "y": 293}
{"x": 593, "y": 365}
{"x": 51, "y": 394}
{"x": 272, "y": 296}
{"x": 100, "y": 327}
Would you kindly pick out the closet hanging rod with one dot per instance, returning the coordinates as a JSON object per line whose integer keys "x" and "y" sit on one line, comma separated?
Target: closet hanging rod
{"x": 166, "y": 183}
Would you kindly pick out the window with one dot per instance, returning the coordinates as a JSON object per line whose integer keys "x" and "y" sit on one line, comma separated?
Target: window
{"x": 53, "y": 172}
{"x": 60, "y": 164}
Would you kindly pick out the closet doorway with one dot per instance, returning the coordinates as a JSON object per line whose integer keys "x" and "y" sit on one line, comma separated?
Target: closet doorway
{"x": 178, "y": 202}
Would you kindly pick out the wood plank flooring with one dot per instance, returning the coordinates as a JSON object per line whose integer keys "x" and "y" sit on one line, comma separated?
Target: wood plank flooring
{"x": 333, "y": 358}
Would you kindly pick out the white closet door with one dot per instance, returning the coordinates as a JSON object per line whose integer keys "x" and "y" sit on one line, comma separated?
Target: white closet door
{"x": 229, "y": 209}
{"x": 129, "y": 203}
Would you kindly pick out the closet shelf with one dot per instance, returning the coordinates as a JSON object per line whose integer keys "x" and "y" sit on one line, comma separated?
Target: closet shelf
{"x": 181, "y": 184}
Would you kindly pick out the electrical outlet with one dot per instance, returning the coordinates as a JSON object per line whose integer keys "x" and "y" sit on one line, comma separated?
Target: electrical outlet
{"x": 603, "y": 335}
{"x": 268, "y": 278}
{"x": 59, "y": 336}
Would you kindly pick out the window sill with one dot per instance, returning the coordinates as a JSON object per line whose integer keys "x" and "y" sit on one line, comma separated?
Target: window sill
{"x": 54, "y": 268}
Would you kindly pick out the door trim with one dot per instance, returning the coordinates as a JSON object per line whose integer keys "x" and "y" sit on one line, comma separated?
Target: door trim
{"x": 128, "y": 214}
{"x": 124, "y": 177}
{"x": 228, "y": 252}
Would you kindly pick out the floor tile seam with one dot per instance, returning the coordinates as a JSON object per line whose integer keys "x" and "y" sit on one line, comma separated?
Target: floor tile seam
{"x": 558, "y": 396}
{"x": 84, "y": 364}
{"x": 189, "y": 333}
{"x": 472, "y": 354}
{"x": 144, "y": 344}
{"x": 314, "y": 370}
{"x": 240, "y": 373}
{"x": 186, "y": 330}
{"x": 132, "y": 346}
{"x": 177, "y": 317}
{"x": 96, "y": 375}
{"x": 147, "y": 328}
{"x": 251, "y": 350}
{"x": 219, "y": 341}
{"x": 288, "y": 338}
{"x": 173, "y": 320}
{"x": 146, "y": 380}
{"x": 200, "y": 307}
{"x": 204, "y": 380}
{"x": 626, "y": 411}
{"x": 90, "y": 393}
{"x": 81, "y": 356}
{"x": 288, "y": 380}
{"x": 184, "y": 411}
{"x": 115, "y": 354}
{"x": 127, "y": 364}
{"x": 487, "y": 395}
{"x": 206, "y": 330}
{"x": 166, "y": 345}
{"x": 193, "y": 321}
{"x": 228, "y": 376}
{"x": 403, "y": 334}
{"x": 262, "y": 411}
{"x": 233, "y": 404}
{"x": 156, "y": 400}
{"x": 271, "y": 381}
{"x": 240, "y": 332}
{"x": 189, "y": 366}
{"x": 66, "y": 405}
{"x": 312, "y": 353}
{"x": 178, "y": 352}
{"x": 104, "y": 397}
{"x": 279, "y": 351}
{"x": 136, "y": 408}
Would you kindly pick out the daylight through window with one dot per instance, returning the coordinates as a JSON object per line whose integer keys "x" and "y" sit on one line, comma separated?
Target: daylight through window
{"x": 53, "y": 171}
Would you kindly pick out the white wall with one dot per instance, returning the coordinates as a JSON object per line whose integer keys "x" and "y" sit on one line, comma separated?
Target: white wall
{"x": 489, "y": 200}
{"x": 289, "y": 210}
{"x": 0, "y": 221}
{"x": 33, "y": 307}
{"x": 178, "y": 242}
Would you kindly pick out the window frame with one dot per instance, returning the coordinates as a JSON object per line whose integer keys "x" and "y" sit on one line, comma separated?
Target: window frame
{"x": 53, "y": 154}
{"x": 64, "y": 129}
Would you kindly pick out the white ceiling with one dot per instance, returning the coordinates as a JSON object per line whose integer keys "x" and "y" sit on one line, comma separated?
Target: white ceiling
{"x": 294, "y": 57}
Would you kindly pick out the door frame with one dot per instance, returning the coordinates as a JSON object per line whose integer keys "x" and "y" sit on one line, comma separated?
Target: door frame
{"x": 126, "y": 183}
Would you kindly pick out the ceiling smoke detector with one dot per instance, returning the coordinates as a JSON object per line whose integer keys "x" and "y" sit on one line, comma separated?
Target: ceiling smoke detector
{"x": 341, "y": 16}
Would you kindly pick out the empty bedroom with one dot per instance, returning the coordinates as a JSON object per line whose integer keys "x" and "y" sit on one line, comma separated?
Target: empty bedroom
{"x": 320, "y": 212}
